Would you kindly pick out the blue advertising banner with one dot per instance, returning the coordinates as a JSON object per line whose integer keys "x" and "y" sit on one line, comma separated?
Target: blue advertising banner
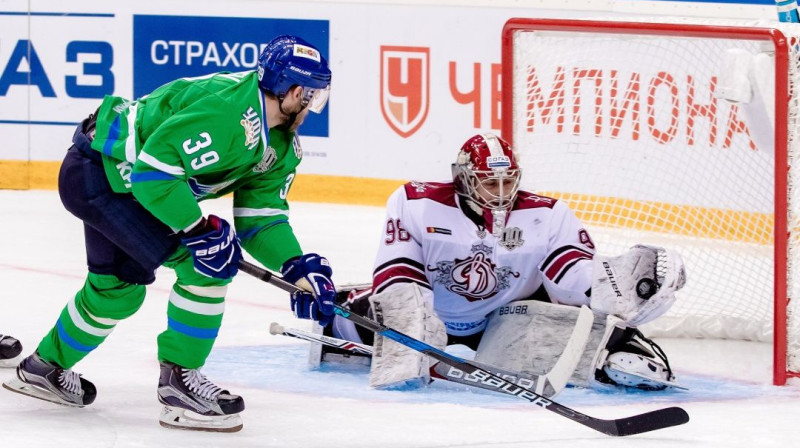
{"x": 170, "y": 47}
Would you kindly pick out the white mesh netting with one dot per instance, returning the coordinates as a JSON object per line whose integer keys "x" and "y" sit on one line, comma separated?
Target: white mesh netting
{"x": 628, "y": 130}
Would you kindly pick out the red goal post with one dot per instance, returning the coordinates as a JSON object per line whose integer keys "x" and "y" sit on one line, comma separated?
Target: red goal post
{"x": 624, "y": 120}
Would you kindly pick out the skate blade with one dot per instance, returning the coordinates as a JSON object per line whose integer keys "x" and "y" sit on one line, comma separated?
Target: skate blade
{"x": 178, "y": 418}
{"x": 653, "y": 382}
{"x": 674, "y": 385}
{"x": 21, "y": 387}
{"x": 8, "y": 363}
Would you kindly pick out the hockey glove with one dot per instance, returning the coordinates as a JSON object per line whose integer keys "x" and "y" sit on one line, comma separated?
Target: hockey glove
{"x": 639, "y": 285}
{"x": 214, "y": 247}
{"x": 312, "y": 273}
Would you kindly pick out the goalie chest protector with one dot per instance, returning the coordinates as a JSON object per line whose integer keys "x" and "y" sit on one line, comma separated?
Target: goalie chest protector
{"x": 430, "y": 241}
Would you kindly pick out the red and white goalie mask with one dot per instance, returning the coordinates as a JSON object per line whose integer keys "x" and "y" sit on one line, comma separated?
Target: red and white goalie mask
{"x": 487, "y": 173}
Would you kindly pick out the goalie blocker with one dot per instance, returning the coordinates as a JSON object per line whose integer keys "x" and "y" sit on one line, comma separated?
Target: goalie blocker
{"x": 528, "y": 336}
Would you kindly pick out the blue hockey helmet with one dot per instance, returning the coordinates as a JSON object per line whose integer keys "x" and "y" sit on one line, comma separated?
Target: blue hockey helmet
{"x": 289, "y": 61}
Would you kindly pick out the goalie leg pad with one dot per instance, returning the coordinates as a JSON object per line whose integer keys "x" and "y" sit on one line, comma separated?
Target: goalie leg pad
{"x": 404, "y": 308}
{"x": 529, "y": 336}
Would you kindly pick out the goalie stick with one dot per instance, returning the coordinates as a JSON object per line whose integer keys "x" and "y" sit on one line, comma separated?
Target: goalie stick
{"x": 355, "y": 347}
{"x": 636, "y": 424}
{"x": 548, "y": 385}
{"x": 438, "y": 370}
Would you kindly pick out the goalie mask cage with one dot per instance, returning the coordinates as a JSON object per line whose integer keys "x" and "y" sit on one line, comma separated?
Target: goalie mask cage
{"x": 623, "y": 121}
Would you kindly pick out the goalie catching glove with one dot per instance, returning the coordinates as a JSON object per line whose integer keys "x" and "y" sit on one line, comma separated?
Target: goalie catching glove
{"x": 637, "y": 286}
{"x": 312, "y": 273}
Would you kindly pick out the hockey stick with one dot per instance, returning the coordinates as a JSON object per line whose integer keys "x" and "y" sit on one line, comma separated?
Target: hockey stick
{"x": 355, "y": 347}
{"x": 442, "y": 371}
{"x": 636, "y": 424}
{"x": 549, "y": 384}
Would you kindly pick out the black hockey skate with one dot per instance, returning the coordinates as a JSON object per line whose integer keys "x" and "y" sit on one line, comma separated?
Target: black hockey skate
{"x": 47, "y": 381}
{"x": 10, "y": 348}
{"x": 193, "y": 402}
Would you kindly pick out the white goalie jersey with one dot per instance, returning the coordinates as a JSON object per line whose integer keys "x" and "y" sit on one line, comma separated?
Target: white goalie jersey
{"x": 430, "y": 241}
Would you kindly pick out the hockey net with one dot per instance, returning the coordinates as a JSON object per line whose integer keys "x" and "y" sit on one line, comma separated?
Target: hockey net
{"x": 624, "y": 121}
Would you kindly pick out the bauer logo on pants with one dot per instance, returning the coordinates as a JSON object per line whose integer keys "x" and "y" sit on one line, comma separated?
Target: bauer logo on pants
{"x": 405, "y": 80}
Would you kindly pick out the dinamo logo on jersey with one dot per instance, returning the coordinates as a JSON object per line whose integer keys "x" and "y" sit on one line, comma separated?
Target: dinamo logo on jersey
{"x": 475, "y": 277}
{"x": 405, "y": 80}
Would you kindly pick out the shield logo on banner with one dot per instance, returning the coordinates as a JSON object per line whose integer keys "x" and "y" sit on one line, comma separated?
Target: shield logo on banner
{"x": 405, "y": 80}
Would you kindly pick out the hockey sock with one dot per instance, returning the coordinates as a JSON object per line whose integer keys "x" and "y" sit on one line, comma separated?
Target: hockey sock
{"x": 89, "y": 317}
{"x": 194, "y": 315}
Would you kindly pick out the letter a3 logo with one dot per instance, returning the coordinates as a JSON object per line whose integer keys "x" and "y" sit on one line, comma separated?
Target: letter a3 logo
{"x": 405, "y": 80}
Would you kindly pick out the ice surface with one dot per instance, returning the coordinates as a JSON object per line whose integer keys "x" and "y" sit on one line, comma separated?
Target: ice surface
{"x": 730, "y": 401}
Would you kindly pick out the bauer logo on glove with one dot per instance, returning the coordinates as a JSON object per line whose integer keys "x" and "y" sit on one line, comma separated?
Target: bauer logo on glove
{"x": 639, "y": 285}
{"x": 214, "y": 247}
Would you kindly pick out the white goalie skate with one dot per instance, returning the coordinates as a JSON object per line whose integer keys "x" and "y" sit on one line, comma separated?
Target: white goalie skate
{"x": 194, "y": 403}
{"x": 632, "y": 360}
{"x": 634, "y": 370}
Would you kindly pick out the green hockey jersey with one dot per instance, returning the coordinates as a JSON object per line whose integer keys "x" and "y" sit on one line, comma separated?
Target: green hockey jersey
{"x": 201, "y": 138}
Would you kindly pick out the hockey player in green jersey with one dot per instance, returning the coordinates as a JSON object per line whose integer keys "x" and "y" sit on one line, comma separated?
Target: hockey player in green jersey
{"x": 135, "y": 174}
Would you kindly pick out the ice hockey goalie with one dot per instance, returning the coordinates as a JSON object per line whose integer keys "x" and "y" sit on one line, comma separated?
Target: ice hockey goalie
{"x": 478, "y": 262}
